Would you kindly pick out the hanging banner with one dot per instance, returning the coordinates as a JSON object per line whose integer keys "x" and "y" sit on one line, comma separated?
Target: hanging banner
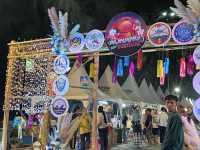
{"x": 94, "y": 40}
{"x": 77, "y": 42}
{"x": 125, "y": 34}
{"x": 196, "y": 56}
{"x": 196, "y": 82}
{"x": 61, "y": 64}
{"x": 196, "y": 109}
{"x": 183, "y": 32}
{"x": 59, "y": 106}
{"x": 61, "y": 85}
{"x": 159, "y": 34}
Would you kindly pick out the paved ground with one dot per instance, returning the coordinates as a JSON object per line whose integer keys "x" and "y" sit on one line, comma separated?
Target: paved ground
{"x": 133, "y": 147}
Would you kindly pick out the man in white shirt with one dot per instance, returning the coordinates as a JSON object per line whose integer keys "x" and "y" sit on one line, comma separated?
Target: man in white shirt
{"x": 163, "y": 123}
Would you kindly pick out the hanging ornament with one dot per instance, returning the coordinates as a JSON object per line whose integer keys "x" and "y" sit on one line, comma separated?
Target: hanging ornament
{"x": 162, "y": 79}
{"x": 139, "y": 59}
{"x": 126, "y": 61}
{"x": 92, "y": 70}
{"x": 132, "y": 69}
{"x": 79, "y": 58}
{"x": 120, "y": 69}
{"x": 182, "y": 71}
{"x": 114, "y": 75}
{"x": 159, "y": 68}
{"x": 166, "y": 65}
{"x": 190, "y": 65}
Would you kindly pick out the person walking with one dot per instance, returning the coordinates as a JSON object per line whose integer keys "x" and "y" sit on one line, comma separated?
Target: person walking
{"x": 148, "y": 126}
{"x": 174, "y": 136}
{"x": 85, "y": 130}
{"x": 155, "y": 129}
{"x": 102, "y": 128}
{"x": 124, "y": 124}
{"x": 163, "y": 118}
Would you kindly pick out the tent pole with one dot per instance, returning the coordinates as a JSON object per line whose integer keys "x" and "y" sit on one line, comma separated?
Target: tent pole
{"x": 6, "y": 100}
{"x": 94, "y": 96}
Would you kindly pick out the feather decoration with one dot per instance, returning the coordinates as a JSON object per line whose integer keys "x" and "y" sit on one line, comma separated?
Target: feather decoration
{"x": 183, "y": 12}
{"x": 66, "y": 24}
{"x": 195, "y": 6}
{"x": 75, "y": 29}
{"x": 54, "y": 21}
{"x": 62, "y": 26}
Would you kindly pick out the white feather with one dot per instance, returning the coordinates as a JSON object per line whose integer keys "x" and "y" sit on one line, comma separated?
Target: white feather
{"x": 53, "y": 21}
{"x": 66, "y": 24}
{"x": 195, "y": 6}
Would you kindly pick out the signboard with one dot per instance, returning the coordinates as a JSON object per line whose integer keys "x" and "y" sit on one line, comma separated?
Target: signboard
{"x": 159, "y": 34}
{"x": 61, "y": 64}
{"x": 196, "y": 109}
{"x": 77, "y": 42}
{"x": 196, "y": 82}
{"x": 94, "y": 40}
{"x": 61, "y": 85}
{"x": 59, "y": 106}
{"x": 183, "y": 32}
{"x": 196, "y": 55}
{"x": 125, "y": 34}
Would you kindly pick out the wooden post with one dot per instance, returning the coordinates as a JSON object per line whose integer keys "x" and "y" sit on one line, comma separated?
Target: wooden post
{"x": 94, "y": 96}
{"x": 6, "y": 100}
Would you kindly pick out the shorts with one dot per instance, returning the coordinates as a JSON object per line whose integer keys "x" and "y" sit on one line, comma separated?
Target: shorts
{"x": 155, "y": 131}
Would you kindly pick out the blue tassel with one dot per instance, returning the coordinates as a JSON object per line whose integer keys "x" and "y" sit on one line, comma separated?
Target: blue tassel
{"x": 126, "y": 61}
{"x": 120, "y": 69}
{"x": 166, "y": 65}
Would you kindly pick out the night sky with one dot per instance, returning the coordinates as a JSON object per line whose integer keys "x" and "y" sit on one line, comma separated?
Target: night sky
{"x": 27, "y": 19}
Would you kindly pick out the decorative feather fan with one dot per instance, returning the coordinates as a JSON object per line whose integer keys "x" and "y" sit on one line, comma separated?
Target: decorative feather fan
{"x": 59, "y": 23}
{"x": 190, "y": 13}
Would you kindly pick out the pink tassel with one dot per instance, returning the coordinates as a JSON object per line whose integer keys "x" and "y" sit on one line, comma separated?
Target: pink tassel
{"x": 190, "y": 65}
{"x": 79, "y": 60}
{"x": 132, "y": 69}
{"x": 182, "y": 70}
{"x": 139, "y": 59}
{"x": 162, "y": 79}
{"x": 114, "y": 76}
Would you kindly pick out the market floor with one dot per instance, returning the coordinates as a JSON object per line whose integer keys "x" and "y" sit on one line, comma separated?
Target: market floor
{"x": 134, "y": 147}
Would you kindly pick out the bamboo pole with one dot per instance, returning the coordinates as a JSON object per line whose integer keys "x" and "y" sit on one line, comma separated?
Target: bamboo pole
{"x": 6, "y": 100}
{"x": 94, "y": 95}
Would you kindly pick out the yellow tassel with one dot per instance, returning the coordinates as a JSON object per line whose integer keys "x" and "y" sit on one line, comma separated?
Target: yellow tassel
{"x": 159, "y": 68}
{"x": 92, "y": 70}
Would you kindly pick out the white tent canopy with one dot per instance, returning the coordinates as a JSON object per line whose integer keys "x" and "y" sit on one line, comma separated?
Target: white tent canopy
{"x": 154, "y": 94}
{"x": 160, "y": 93}
{"x": 111, "y": 89}
{"x": 146, "y": 95}
{"x": 131, "y": 88}
{"x": 167, "y": 92}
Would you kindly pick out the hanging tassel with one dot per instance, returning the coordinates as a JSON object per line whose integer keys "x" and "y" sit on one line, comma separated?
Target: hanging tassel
{"x": 190, "y": 65}
{"x": 166, "y": 65}
{"x": 162, "y": 79}
{"x": 182, "y": 70}
{"x": 132, "y": 69}
{"x": 126, "y": 61}
{"x": 120, "y": 69}
{"x": 159, "y": 68}
{"x": 92, "y": 70}
{"x": 114, "y": 75}
{"x": 19, "y": 132}
{"x": 30, "y": 121}
{"x": 139, "y": 59}
{"x": 79, "y": 60}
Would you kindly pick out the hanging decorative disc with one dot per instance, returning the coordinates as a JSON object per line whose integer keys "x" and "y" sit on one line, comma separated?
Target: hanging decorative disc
{"x": 59, "y": 106}
{"x": 196, "y": 109}
{"x": 125, "y": 34}
{"x": 159, "y": 34}
{"x": 61, "y": 85}
{"x": 196, "y": 82}
{"x": 94, "y": 40}
{"x": 61, "y": 64}
{"x": 183, "y": 32}
{"x": 77, "y": 42}
{"x": 196, "y": 55}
